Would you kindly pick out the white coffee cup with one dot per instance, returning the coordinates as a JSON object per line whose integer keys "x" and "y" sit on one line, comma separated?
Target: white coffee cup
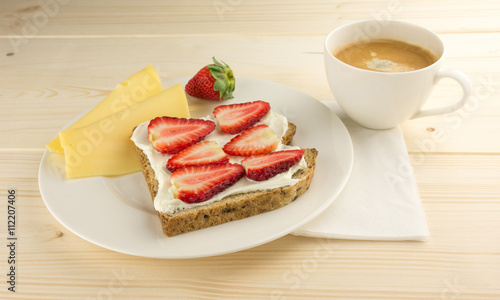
{"x": 381, "y": 100}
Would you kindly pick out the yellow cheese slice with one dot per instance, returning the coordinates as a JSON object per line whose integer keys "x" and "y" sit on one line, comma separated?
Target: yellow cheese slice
{"x": 104, "y": 148}
{"x": 138, "y": 87}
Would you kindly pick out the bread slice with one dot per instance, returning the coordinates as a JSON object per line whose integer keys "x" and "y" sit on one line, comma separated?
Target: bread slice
{"x": 232, "y": 207}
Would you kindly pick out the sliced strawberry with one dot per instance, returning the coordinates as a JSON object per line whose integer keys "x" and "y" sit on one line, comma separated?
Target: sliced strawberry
{"x": 200, "y": 183}
{"x": 202, "y": 153}
{"x": 255, "y": 140}
{"x": 235, "y": 118}
{"x": 172, "y": 135}
{"x": 264, "y": 166}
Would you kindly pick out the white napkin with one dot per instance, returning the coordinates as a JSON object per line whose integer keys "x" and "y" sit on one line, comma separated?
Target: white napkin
{"x": 380, "y": 200}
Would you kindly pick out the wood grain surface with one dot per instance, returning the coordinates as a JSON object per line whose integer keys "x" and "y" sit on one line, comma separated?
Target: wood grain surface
{"x": 61, "y": 57}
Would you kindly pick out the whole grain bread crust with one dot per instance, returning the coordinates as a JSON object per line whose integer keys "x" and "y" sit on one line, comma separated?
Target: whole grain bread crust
{"x": 236, "y": 206}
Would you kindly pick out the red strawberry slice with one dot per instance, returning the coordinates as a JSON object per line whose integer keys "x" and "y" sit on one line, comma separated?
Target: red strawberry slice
{"x": 171, "y": 135}
{"x": 264, "y": 166}
{"x": 214, "y": 82}
{"x": 236, "y": 118}
{"x": 200, "y": 183}
{"x": 202, "y": 153}
{"x": 255, "y": 140}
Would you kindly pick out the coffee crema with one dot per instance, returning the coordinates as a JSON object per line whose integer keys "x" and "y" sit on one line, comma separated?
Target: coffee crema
{"x": 384, "y": 55}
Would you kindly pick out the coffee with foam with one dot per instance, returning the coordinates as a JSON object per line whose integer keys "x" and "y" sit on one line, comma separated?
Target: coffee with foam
{"x": 383, "y": 55}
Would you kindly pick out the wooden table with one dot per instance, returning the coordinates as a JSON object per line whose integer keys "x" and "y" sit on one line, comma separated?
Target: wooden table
{"x": 60, "y": 57}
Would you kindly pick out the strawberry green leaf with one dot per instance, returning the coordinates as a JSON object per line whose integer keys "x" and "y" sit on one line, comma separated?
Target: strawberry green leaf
{"x": 224, "y": 79}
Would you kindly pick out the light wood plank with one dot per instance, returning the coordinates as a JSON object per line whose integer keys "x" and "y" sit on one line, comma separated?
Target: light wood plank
{"x": 462, "y": 206}
{"x": 40, "y": 96}
{"x": 227, "y": 17}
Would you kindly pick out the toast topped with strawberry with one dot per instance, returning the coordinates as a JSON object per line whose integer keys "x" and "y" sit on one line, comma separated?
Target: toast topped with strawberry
{"x": 227, "y": 166}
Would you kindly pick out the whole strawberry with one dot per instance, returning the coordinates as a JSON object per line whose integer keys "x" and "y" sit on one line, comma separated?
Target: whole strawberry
{"x": 214, "y": 82}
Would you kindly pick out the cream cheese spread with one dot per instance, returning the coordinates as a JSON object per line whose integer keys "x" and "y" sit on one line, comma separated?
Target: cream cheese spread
{"x": 165, "y": 202}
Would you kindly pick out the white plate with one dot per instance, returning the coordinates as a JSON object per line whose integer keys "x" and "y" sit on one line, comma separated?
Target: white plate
{"x": 117, "y": 212}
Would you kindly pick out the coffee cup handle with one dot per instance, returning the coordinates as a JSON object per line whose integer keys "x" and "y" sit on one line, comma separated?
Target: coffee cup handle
{"x": 466, "y": 89}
